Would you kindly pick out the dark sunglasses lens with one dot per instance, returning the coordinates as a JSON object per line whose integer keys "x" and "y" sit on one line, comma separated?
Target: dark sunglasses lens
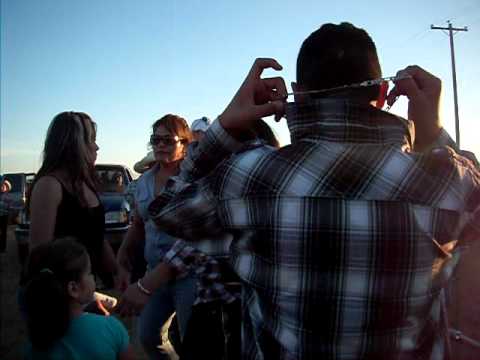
{"x": 158, "y": 140}
{"x": 154, "y": 140}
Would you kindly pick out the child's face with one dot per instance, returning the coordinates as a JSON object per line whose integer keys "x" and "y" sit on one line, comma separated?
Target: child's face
{"x": 86, "y": 285}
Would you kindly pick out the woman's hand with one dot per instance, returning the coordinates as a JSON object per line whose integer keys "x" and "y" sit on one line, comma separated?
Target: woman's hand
{"x": 132, "y": 301}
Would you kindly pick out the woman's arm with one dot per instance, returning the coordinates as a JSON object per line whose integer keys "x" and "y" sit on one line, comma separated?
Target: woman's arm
{"x": 45, "y": 199}
{"x": 137, "y": 295}
{"x": 135, "y": 235}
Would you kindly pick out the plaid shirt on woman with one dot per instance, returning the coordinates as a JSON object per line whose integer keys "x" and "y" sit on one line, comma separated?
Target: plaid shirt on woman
{"x": 343, "y": 239}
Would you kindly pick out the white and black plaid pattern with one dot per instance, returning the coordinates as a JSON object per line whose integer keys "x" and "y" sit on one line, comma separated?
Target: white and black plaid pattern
{"x": 341, "y": 238}
{"x": 186, "y": 259}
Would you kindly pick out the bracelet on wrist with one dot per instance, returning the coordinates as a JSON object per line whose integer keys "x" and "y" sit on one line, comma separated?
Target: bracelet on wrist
{"x": 143, "y": 289}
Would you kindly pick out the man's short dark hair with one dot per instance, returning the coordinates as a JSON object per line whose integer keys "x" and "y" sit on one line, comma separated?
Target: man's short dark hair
{"x": 336, "y": 55}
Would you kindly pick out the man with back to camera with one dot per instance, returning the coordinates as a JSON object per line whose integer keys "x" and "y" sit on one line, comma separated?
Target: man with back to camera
{"x": 345, "y": 238}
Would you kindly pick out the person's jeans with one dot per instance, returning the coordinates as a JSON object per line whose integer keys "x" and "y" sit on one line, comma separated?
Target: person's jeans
{"x": 175, "y": 296}
{"x": 220, "y": 339}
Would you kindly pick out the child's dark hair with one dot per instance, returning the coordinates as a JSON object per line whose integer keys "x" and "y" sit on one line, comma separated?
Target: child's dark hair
{"x": 47, "y": 303}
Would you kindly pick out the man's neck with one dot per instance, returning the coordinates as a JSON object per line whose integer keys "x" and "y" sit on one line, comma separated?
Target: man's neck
{"x": 345, "y": 120}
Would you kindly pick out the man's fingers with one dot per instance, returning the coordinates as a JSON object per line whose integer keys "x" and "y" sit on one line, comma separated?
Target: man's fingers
{"x": 422, "y": 77}
{"x": 414, "y": 81}
{"x": 405, "y": 86}
{"x": 263, "y": 63}
{"x": 277, "y": 84}
{"x": 276, "y": 108}
{"x": 392, "y": 96}
{"x": 270, "y": 89}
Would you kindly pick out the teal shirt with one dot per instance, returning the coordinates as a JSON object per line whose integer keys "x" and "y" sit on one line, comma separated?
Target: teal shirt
{"x": 89, "y": 336}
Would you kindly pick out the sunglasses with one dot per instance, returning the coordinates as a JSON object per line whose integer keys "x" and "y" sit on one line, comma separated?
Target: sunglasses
{"x": 165, "y": 140}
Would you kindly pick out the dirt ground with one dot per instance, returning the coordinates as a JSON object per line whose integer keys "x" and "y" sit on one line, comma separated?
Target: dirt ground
{"x": 12, "y": 330}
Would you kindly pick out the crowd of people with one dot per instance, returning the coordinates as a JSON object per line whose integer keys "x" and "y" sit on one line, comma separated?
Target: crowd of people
{"x": 337, "y": 246}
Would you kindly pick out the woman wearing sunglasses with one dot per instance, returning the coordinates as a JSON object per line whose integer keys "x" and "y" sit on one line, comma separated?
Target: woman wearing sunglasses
{"x": 169, "y": 140}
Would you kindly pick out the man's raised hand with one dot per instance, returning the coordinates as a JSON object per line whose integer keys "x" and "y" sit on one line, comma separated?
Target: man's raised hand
{"x": 256, "y": 98}
{"x": 423, "y": 91}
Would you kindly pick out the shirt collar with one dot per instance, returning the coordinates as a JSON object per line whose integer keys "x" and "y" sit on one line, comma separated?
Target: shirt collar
{"x": 341, "y": 120}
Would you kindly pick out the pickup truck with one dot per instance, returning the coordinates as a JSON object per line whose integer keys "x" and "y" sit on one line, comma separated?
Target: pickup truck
{"x": 113, "y": 190}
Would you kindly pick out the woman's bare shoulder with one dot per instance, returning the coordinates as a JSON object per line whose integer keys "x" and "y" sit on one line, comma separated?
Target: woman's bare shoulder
{"x": 47, "y": 186}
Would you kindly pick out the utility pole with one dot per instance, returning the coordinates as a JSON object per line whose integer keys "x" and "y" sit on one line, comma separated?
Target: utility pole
{"x": 451, "y": 29}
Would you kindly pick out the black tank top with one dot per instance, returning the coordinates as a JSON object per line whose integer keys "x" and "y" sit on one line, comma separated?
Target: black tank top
{"x": 86, "y": 224}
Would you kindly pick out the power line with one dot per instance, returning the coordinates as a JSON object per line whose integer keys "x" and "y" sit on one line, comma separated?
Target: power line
{"x": 451, "y": 29}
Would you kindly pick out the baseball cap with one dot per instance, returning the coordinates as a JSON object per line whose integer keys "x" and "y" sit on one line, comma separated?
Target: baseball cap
{"x": 201, "y": 124}
{"x": 144, "y": 164}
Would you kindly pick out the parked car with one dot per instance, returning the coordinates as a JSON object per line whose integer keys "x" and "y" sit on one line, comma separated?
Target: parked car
{"x": 113, "y": 188}
{"x": 16, "y": 197}
{"x": 114, "y": 181}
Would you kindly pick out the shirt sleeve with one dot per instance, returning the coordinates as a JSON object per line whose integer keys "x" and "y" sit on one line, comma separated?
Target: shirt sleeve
{"x": 187, "y": 207}
{"x": 210, "y": 284}
{"x": 176, "y": 257}
{"x": 444, "y": 139}
{"x": 185, "y": 258}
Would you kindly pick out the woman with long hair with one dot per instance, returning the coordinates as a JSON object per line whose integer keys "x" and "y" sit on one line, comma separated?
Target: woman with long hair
{"x": 64, "y": 200}
{"x": 59, "y": 285}
{"x": 169, "y": 140}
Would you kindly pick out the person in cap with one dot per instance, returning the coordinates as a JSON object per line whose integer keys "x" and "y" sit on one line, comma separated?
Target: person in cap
{"x": 199, "y": 127}
{"x": 5, "y": 187}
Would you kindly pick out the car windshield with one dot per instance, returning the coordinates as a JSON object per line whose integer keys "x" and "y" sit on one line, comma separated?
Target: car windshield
{"x": 17, "y": 182}
{"x": 111, "y": 180}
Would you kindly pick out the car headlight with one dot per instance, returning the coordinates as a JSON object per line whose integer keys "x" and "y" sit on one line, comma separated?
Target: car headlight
{"x": 116, "y": 217}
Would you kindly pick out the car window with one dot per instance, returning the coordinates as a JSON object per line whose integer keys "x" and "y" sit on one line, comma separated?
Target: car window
{"x": 112, "y": 180}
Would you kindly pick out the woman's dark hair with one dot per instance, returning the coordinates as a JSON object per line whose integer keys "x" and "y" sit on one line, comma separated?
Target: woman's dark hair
{"x": 66, "y": 149}
{"x": 337, "y": 55}
{"x": 50, "y": 268}
{"x": 175, "y": 125}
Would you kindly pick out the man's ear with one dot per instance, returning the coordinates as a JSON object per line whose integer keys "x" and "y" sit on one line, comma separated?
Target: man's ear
{"x": 73, "y": 290}
{"x": 299, "y": 98}
{"x": 382, "y": 95}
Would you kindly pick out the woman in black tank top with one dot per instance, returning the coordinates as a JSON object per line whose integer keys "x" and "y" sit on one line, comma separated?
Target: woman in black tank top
{"x": 86, "y": 224}
{"x": 64, "y": 201}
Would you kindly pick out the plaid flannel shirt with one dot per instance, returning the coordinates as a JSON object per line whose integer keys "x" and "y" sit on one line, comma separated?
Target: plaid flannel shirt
{"x": 343, "y": 239}
{"x": 206, "y": 264}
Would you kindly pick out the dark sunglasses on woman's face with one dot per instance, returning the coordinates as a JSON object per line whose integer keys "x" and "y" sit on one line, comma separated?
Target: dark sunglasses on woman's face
{"x": 164, "y": 140}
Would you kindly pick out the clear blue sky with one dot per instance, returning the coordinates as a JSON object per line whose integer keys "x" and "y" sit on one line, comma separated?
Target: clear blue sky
{"x": 127, "y": 63}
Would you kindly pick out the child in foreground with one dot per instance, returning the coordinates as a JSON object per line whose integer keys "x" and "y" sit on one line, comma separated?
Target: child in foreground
{"x": 60, "y": 284}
